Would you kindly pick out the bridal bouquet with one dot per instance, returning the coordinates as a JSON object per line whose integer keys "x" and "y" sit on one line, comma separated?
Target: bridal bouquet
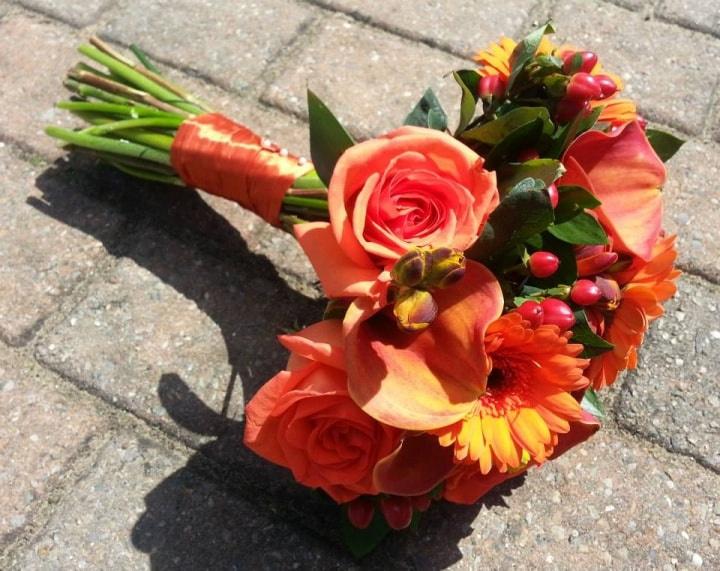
{"x": 483, "y": 282}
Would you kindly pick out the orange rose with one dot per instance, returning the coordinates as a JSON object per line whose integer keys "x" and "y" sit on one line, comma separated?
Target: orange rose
{"x": 411, "y": 187}
{"x": 304, "y": 419}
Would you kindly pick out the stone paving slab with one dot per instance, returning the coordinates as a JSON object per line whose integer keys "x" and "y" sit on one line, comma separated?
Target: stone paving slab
{"x": 692, "y": 206}
{"x": 232, "y": 42}
{"x": 697, "y": 14}
{"x": 613, "y": 503}
{"x": 171, "y": 311}
{"x": 78, "y": 14}
{"x": 43, "y": 259}
{"x": 658, "y": 61}
{"x": 369, "y": 78}
{"x": 462, "y": 27}
{"x": 674, "y": 396}
{"x": 142, "y": 508}
{"x": 35, "y": 453}
{"x": 32, "y": 84}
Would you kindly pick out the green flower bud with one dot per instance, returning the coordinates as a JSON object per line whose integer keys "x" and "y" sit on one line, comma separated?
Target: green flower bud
{"x": 414, "y": 309}
{"x": 447, "y": 267}
{"x": 410, "y": 269}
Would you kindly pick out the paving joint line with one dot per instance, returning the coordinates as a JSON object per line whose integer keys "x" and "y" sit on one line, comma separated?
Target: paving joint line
{"x": 123, "y": 418}
{"x": 254, "y": 97}
{"x": 389, "y": 28}
{"x": 698, "y": 273}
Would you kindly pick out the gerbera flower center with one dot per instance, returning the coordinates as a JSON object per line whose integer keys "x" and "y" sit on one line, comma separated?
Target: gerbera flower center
{"x": 507, "y": 385}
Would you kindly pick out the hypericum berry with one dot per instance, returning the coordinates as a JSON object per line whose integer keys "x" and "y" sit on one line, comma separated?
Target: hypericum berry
{"x": 361, "y": 511}
{"x": 568, "y": 109}
{"x": 585, "y": 292}
{"x": 531, "y": 311}
{"x": 397, "y": 511}
{"x": 607, "y": 85}
{"x": 552, "y": 193}
{"x": 557, "y": 312}
{"x": 491, "y": 86}
{"x": 579, "y": 61}
{"x": 528, "y": 154}
{"x": 543, "y": 264}
{"x": 421, "y": 503}
{"x": 583, "y": 87}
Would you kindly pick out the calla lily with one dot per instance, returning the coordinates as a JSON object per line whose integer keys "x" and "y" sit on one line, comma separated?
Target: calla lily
{"x": 415, "y": 467}
{"x": 625, "y": 173}
{"x": 426, "y": 380}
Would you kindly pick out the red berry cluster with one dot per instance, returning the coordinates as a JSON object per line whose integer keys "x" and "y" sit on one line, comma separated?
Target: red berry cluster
{"x": 583, "y": 86}
{"x": 554, "y": 311}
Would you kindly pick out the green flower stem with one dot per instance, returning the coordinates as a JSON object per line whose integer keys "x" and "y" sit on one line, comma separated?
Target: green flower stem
{"x": 309, "y": 180}
{"x": 103, "y": 144}
{"x": 133, "y": 111}
{"x": 84, "y": 90}
{"x": 147, "y": 174}
{"x": 132, "y": 162}
{"x": 317, "y": 204}
{"x": 149, "y": 71}
{"x": 138, "y": 80}
{"x": 144, "y": 59}
{"x": 122, "y": 90}
{"x": 161, "y": 122}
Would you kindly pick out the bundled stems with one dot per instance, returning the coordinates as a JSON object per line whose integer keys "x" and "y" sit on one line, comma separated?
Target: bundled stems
{"x": 133, "y": 114}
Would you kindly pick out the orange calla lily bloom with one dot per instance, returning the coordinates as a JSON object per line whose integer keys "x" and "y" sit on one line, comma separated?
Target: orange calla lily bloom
{"x": 625, "y": 173}
{"x": 426, "y": 380}
{"x": 645, "y": 286}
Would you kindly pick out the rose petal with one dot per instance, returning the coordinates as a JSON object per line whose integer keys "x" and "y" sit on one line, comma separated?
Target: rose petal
{"x": 322, "y": 342}
{"x": 340, "y": 276}
{"x": 426, "y": 380}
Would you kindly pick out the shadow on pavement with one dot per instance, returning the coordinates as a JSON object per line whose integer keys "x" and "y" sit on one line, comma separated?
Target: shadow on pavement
{"x": 182, "y": 530}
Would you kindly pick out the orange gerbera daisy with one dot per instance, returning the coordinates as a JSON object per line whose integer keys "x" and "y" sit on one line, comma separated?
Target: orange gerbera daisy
{"x": 495, "y": 60}
{"x": 644, "y": 287}
{"x": 528, "y": 400}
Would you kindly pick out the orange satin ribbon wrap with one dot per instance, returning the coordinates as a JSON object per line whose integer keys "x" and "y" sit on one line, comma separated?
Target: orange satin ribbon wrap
{"x": 221, "y": 157}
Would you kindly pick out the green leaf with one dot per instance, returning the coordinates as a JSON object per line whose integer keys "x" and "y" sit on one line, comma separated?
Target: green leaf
{"x": 582, "y": 229}
{"x": 328, "y": 138}
{"x": 566, "y": 134}
{"x": 428, "y": 113}
{"x": 594, "y": 344}
{"x": 526, "y": 136}
{"x": 572, "y": 200}
{"x": 495, "y": 131}
{"x": 546, "y": 170}
{"x": 591, "y": 403}
{"x": 664, "y": 144}
{"x": 468, "y": 80}
{"x": 361, "y": 542}
{"x": 525, "y": 211}
{"x": 526, "y": 50}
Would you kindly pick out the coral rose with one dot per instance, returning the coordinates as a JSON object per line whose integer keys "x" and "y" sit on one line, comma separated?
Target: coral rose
{"x": 304, "y": 419}
{"x": 411, "y": 187}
